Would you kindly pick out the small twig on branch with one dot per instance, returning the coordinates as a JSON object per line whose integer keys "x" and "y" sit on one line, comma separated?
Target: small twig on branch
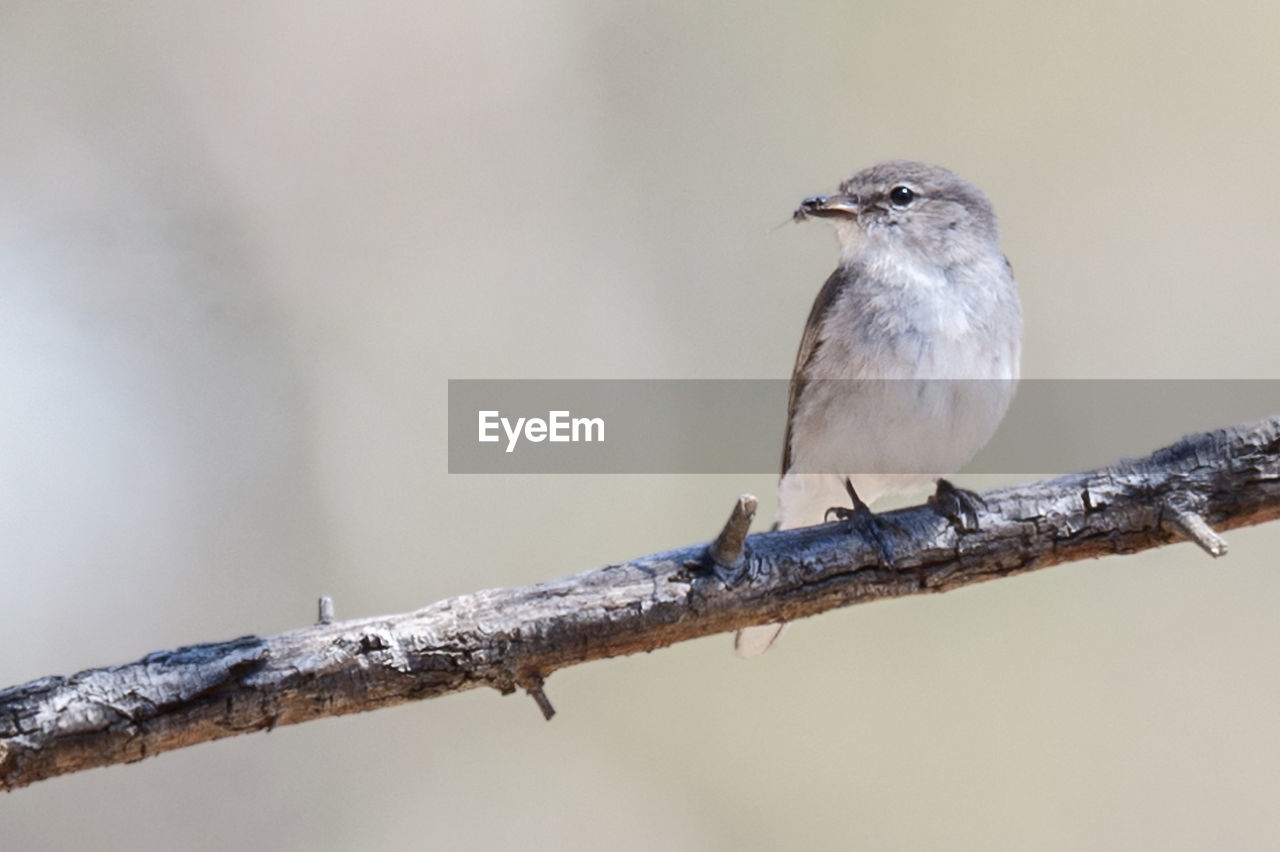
{"x": 325, "y": 615}
{"x": 533, "y": 685}
{"x": 727, "y": 550}
{"x": 514, "y": 638}
{"x": 1190, "y": 525}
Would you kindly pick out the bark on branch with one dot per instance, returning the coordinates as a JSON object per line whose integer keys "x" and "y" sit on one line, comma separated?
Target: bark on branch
{"x": 514, "y": 638}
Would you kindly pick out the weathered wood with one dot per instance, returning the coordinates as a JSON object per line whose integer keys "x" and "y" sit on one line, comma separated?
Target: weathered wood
{"x": 515, "y": 637}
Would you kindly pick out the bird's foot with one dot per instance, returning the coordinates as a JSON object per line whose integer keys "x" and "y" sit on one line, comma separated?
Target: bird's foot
{"x": 864, "y": 523}
{"x": 957, "y": 505}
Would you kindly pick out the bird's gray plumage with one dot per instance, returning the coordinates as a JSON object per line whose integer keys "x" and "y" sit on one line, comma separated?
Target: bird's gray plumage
{"x": 909, "y": 357}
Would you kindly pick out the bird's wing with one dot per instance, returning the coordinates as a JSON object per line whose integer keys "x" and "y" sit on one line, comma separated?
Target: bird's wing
{"x": 808, "y": 347}
{"x": 753, "y": 641}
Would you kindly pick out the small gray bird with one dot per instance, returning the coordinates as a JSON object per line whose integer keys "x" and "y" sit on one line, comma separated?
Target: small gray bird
{"x": 922, "y": 293}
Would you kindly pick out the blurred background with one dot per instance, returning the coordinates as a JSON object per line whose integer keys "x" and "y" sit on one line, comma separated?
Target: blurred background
{"x": 244, "y": 246}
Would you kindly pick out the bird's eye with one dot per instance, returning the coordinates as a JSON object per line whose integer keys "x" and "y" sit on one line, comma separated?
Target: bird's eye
{"x": 901, "y": 195}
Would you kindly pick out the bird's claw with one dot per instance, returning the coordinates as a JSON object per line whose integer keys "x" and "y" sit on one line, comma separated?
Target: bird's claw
{"x": 957, "y": 505}
{"x": 864, "y": 522}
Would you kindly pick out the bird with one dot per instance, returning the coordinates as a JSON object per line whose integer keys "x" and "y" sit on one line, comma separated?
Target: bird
{"x": 911, "y": 352}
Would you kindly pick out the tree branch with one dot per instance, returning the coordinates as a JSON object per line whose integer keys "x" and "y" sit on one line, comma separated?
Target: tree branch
{"x": 514, "y": 638}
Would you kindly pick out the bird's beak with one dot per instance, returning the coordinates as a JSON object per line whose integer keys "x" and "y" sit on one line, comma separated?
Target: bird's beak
{"x": 826, "y": 206}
